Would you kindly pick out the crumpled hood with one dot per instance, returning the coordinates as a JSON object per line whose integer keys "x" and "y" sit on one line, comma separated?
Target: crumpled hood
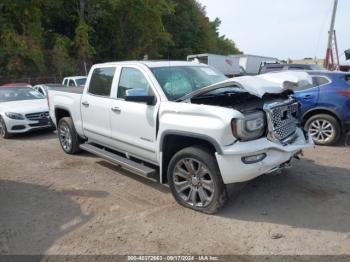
{"x": 272, "y": 83}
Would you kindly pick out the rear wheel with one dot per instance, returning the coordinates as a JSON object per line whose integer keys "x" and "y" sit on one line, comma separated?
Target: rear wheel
{"x": 3, "y": 129}
{"x": 68, "y": 136}
{"x": 195, "y": 180}
{"x": 324, "y": 129}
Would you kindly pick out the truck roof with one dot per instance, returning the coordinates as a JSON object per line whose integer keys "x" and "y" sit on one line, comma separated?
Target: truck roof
{"x": 152, "y": 63}
{"x": 75, "y": 77}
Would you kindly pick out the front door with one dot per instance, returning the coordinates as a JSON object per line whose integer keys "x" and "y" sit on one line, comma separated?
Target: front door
{"x": 134, "y": 123}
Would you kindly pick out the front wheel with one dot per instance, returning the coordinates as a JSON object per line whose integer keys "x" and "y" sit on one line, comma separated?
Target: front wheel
{"x": 195, "y": 180}
{"x": 324, "y": 129}
{"x": 3, "y": 129}
{"x": 68, "y": 136}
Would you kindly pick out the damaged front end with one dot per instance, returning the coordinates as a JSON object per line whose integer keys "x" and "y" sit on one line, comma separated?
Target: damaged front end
{"x": 283, "y": 120}
{"x": 268, "y": 106}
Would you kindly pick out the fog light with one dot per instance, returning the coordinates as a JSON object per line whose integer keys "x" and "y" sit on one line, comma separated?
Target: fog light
{"x": 253, "y": 159}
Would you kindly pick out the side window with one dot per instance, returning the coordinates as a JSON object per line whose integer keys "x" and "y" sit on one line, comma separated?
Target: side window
{"x": 39, "y": 89}
{"x": 71, "y": 83}
{"x": 65, "y": 82}
{"x": 132, "y": 82}
{"x": 314, "y": 81}
{"x": 101, "y": 81}
{"x": 347, "y": 79}
{"x": 319, "y": 80}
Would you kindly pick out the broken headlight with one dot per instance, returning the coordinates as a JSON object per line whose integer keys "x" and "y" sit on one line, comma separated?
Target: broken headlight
{"x": 251, "y": 127}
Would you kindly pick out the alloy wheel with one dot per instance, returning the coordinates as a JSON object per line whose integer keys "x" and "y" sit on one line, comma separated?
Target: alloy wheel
{"x": 321, "y": 130}
{"x": 65, "y": 137}
{"x": 193, "y": 182}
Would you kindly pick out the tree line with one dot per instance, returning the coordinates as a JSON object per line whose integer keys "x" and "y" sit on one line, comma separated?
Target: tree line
{"x": 59, "y": 37}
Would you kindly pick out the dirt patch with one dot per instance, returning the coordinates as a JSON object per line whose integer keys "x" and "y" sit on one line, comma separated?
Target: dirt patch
{"x": 53, "y": 203}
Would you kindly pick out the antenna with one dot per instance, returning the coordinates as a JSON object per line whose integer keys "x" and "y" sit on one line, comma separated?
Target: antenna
{"x": 332, "y": 47}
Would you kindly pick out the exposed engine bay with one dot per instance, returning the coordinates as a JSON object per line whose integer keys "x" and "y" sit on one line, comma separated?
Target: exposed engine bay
{"x": 241, "y": 101}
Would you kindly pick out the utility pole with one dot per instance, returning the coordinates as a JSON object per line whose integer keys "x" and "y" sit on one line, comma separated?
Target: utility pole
{"x": 329, "y": 53}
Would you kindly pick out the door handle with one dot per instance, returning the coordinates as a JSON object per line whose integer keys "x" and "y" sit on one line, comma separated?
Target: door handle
{"x": 307, "y": 97}
{"x": 116, "y": 109}
{"x": 85, "y": 103}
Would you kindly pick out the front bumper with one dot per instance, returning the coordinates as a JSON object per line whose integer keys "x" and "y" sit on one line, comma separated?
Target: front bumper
{"x": 234, "y": 170}
{"x": 22, "y": 126}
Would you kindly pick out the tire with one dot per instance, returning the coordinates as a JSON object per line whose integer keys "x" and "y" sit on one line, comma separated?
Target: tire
{"x": 4, "y": 133}
{"x": 324, "y": 129}
{"x": 197, "y": 195}
{"x": 68, "y": 136}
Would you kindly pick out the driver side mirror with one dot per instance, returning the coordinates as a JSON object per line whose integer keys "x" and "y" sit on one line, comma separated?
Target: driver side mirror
{"x": 139, "y": 95}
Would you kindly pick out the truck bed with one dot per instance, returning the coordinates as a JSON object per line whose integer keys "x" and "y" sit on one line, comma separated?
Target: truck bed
{"x": 75, "y": 90}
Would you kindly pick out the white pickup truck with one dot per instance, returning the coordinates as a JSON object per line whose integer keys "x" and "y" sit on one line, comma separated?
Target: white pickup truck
{"x": 184, "y": 123}
{"x": 74, "y": 81}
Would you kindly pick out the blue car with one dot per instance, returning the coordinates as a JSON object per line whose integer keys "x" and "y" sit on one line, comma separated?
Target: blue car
{"x": 325, "y": 107}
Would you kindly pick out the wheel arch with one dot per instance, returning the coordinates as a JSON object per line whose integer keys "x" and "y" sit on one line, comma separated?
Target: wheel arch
{"x": 173, "y": 141}
{"x": 322, "y": 110}
{"x": 61, "y": 112}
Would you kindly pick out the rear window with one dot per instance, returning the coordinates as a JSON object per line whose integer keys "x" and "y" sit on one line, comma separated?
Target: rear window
{"x": 271, "y": 68}
{"x": 71, "y": 83}
{"x": 80, "y": 81}
{"x": 317, "y": 67}
{"x": 101, "y": 81}
{"x": 296, "y": 68}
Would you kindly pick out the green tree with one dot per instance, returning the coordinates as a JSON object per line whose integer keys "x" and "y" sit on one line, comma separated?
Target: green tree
{"x": 21, "y": 38}
{"x": 42, "y": 37}
{"x": 192, "y": 32}
{"x": 61, "y": 61}
{"x": 223, "y": 45}
{"x": 138, "y": 28}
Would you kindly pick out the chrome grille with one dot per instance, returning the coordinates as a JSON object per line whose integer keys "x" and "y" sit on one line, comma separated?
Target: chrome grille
{"x": 38, "y": 116}
{"x": 282, "y": 119}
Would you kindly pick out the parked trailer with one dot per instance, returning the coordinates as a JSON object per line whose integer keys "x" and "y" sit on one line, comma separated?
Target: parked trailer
{"x": 251, "y": 63}
{"x": 227, "y": 65}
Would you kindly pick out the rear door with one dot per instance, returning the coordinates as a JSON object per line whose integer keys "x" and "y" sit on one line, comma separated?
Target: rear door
{"x": 134, "y": 124}
{"x": 308, "y": 97}
{"x": 95, "y": 104}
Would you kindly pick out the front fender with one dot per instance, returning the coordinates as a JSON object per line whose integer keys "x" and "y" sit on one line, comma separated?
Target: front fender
{"x": 210, "y": 123}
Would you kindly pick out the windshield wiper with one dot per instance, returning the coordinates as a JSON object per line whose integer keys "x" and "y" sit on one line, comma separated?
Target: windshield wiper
{"x": 211, "y": 95}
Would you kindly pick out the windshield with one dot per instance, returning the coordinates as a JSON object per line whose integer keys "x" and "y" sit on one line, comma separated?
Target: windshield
{"x": 178, "y": 81}
{"x": 17, "y": 94}
{"x": 80, "y": 81}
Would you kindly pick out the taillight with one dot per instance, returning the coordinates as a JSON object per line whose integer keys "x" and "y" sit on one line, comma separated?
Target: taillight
{"x": 344, "y": 92}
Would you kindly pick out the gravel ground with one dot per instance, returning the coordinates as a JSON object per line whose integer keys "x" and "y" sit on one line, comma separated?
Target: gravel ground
{"x": 53, "y": 203}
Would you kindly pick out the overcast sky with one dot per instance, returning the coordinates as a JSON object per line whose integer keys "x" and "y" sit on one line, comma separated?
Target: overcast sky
{"x": 281, "y": 28}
